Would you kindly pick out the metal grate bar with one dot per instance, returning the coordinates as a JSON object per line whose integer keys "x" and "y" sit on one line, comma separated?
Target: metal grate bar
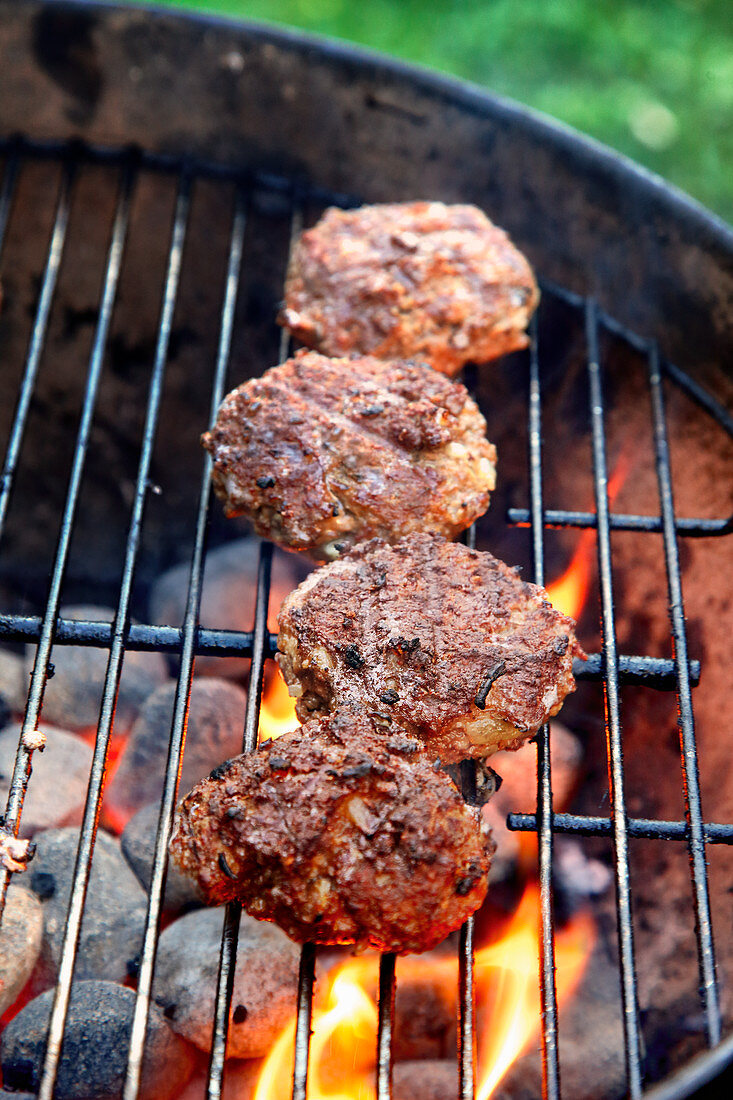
{"x": 96, "y": 779}
{"x": 137, "y": 1036}
{"x": 175, "y": 165}
{"x": 653, "y": 672}
{"x": 385, "y": 1025}
{"x": 261, "y": 648}
{"x": 28, "y": 741}
{"x": 232, "y": 912}
{"x": 559, "y": 518}
{"x": 548, "y": 990}
{"x": 685, "y": 719}
{"x": 306, "y": 978}
{"x": 632, "y": 1039}
{"x": 645, "y": 827}
{"x": 228, "y": 950}
{"x": 38, "y": 338}
{"x": 467, "y": 1046}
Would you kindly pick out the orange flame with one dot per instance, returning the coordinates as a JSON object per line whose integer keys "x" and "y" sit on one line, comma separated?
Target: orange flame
{"x": 570, "y": 591}
{"x": 277, "y": 713}
{"x": 343, "y": 1044}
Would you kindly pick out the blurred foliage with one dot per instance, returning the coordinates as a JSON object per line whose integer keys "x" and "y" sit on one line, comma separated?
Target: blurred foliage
{"x": 652, "y": 79}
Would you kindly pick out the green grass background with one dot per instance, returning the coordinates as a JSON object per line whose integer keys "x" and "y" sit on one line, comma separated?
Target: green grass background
{"x": 652, "y": 79}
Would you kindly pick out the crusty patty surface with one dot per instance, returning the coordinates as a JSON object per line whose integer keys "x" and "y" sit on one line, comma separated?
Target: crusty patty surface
{"x": 409, "y": 279}
{"x": 321, "y": 453}
{"x": 339, "y": 834}
{"x": 445, "y": 641}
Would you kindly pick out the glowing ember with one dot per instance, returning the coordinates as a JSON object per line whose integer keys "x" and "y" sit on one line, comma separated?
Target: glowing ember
{"x": 342, "y": 1051}
{"x": 277, "y": 712}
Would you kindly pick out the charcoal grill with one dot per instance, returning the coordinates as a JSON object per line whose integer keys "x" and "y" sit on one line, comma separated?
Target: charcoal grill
{"x": 276, "y": 126}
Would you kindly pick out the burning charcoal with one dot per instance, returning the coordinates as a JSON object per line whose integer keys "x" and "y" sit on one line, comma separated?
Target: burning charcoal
{"x": 265, "y": 981}
{"x": 114, "y": 917}
{"x": 13, "y": 681}
{"x": 138, "y": 847}
{"x": 215, "y": 727}
{"x": 74, "y": 692}
{"x": 20, "y": 942}
{"x": 228, "y": 596}
{"x": 94, "y": 1049}
{"x": 49, "y": 803}
{"x": 429, "y": 1080}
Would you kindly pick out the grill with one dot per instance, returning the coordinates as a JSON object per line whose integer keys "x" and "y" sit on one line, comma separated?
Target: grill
{"x": 243, "y": 185}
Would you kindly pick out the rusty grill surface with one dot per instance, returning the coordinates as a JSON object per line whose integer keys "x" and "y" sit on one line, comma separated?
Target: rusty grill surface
{"x": 678, "y": 675}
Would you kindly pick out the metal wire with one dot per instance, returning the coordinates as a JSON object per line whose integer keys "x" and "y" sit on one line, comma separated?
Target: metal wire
{"x": 180, "y": 709}
{"x": 654, "y": 672}
{"x": 112, "y": 679}
{"x": 548, "y": 990}
{"x": 40, "y": 325}
{"x": 686, "y": 721}
{"x": 632, "y": 1038}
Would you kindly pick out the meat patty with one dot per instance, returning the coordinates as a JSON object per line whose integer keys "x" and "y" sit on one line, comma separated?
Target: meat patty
{"x": 339, "y": 835}
{"x": 444, "y": 641}
{"x": 321, "y": 453}
{"x": 409, "y": 279}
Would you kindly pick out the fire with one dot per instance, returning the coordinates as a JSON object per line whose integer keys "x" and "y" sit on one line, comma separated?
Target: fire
{"x": 277, "y": 713}
{"x": 343, "y": 1044}
{"x": 569, "y": 592}
{"x": 508, "y": 988}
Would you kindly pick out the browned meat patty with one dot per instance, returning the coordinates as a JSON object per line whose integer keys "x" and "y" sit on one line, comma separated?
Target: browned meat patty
{"x": 321, "y": 453}
{"x": 426, "y": 634}
{"x": 409, "y": 279}
{"x": 339, "y": 835}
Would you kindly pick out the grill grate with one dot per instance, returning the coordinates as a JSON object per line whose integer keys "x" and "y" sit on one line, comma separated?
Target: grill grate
{"x": 612, "y": 669}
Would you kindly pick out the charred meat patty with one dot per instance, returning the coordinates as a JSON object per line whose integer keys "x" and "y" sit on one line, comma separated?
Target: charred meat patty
{"x": 320, "y": 453}
{"x": 339, "y": 835}
{"x": 447, "y": 642}
{"x": 409, "y": 279}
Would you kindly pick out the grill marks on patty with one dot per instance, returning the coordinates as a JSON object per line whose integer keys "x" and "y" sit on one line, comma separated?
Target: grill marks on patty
{"x": 321, "y": 453}
{"x": 452, "y": 645}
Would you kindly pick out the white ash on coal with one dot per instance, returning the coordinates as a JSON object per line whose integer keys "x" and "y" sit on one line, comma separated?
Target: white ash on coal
{"x": 114, "y": 915}
{"x": 138, "y": 847}
{"x": 265, "y": 981}
{"x": 227, "y": 596}
{"x": 94, "y": 1048}
{"x": 74, "y": 692}
{"x": 20, "y": 942}
{"x": 58, "y": 788}
{"x": 214, "y": 733}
